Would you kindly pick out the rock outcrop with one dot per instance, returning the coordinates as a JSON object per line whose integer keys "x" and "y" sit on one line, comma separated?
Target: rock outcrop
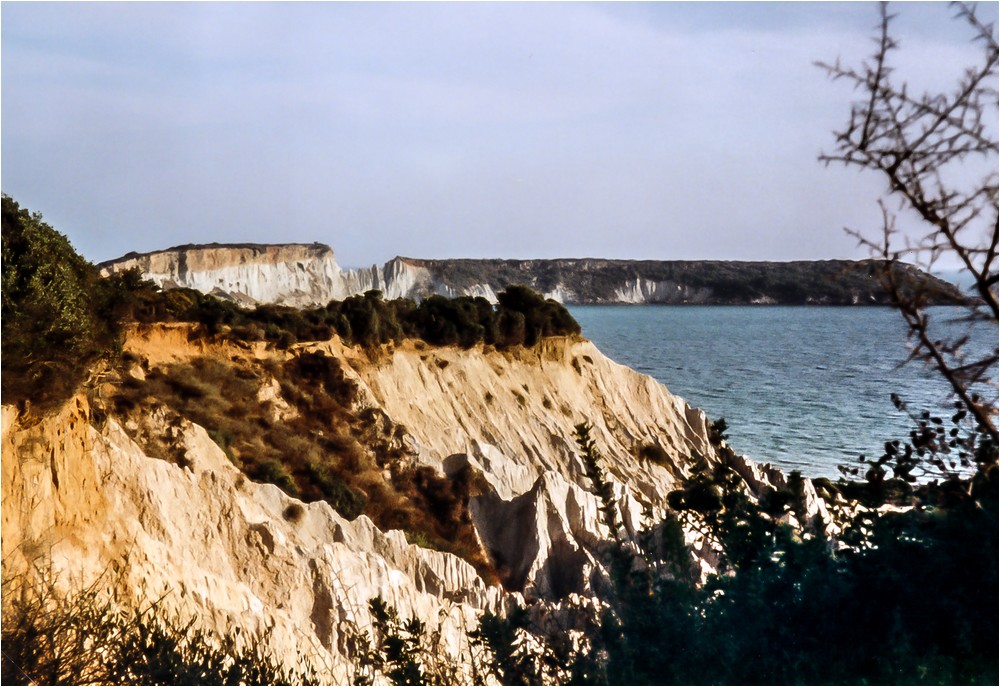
{"x": 308, "y": 274}
{"x": 289, "y": 274}
{"x": 81, "y": 493}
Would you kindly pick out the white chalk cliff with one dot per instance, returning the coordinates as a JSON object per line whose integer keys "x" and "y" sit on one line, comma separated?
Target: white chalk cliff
{"x": 302, "y": 275}
{"x": 287, "y": 274}
{"x": 79, "y": 491}
{"x": 308, "y": 274}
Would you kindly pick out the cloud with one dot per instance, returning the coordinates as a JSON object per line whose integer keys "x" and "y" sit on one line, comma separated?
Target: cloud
{"x": 637, "y": 131}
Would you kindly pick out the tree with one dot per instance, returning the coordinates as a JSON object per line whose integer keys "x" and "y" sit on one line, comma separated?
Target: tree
{"x": 58, "y": 315}
{"x": 919, "y": 143}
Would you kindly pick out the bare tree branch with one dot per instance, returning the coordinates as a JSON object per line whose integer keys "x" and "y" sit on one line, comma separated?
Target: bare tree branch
{"x": 914, "y": 141}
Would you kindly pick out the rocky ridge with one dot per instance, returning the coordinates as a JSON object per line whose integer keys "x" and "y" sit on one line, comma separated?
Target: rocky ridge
{"x": 80, "y": 492}
{"x": 288, "y": 274}
{"x": 308, "y": 274}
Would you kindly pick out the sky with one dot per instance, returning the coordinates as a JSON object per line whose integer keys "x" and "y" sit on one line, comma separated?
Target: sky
{"x": 463, "y": 129}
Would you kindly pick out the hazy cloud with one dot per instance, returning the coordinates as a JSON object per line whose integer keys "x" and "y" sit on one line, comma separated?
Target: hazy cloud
{"x": 649, "y": 130}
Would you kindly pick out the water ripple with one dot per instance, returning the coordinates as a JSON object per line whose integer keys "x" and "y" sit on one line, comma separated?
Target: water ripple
{"x": 804, "y": 388}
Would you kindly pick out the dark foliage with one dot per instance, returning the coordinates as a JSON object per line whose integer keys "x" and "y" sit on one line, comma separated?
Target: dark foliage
{"x": 525, "y": 317}
{"x": 58, "y": 315}
{"x": 521, "y": 318}
{"x": 463, "y": 321}
{"x": 939, "y": 448}
{"x": 85, "y": 638}
{"x": 894, "y": 598}
{"x": 396, "y": 650}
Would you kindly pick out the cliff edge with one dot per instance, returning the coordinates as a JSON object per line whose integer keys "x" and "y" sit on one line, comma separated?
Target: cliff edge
{"x": 308, "y": 274}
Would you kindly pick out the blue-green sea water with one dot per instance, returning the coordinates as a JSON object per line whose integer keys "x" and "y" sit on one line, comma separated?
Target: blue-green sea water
{"x": 803, "y": 388}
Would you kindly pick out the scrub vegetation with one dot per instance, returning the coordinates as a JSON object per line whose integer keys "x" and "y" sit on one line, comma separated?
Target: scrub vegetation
{"x": 86, "y": 637}
{"x": 521, "y": 318}
{"x": 60, "y": 317}
{"x": 897, "y": 584}
{"x": 312, "y": 441}
{"x": 906, "y": 596}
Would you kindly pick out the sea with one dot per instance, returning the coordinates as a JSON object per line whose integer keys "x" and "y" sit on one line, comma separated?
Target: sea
{"x": 801, "y": 387}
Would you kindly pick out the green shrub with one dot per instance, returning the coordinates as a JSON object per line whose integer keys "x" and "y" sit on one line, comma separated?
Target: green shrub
{"x": 273, "y": 472}
{"x": 421, "y": 539}
{"x": 223, "y": 438}
{"x": 530, "y": 317}
{"x": 346, "y": 501}
{"x": 399, "y": 651}
{"x": 521, "y": 318}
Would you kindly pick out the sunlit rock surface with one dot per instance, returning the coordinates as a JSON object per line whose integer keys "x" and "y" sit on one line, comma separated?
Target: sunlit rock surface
{"x": 78, "y": 491}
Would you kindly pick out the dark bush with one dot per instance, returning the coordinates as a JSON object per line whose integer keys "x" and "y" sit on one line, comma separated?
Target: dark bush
{"x": 654, "y": 453}
{"x": 273, "y": 472}
{"x": 323, "y": 372}
{"x": 84, "y": 638}
{"x": 521, "y": 318}
{"x": 58, "y": 315}
{"x": 890, "y": 598}
{"x": 346, "y": 501}
{"x": 294, "y": 512}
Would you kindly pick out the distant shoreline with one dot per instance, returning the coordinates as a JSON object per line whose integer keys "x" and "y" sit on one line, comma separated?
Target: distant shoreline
{"x": 308, "y": 274}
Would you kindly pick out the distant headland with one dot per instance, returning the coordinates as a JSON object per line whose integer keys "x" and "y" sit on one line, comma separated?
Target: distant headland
{"x": 308, "y": 274}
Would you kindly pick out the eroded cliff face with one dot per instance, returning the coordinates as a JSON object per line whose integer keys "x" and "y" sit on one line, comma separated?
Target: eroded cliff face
{"x": 287, "y": 274}
{"x": 81, "y": 492}
{"x": 307, "y": 274}
{"x": 511, "y": 416}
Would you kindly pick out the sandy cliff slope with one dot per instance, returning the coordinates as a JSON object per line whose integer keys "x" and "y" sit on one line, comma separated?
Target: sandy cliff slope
{"x": 79, "y": 490}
